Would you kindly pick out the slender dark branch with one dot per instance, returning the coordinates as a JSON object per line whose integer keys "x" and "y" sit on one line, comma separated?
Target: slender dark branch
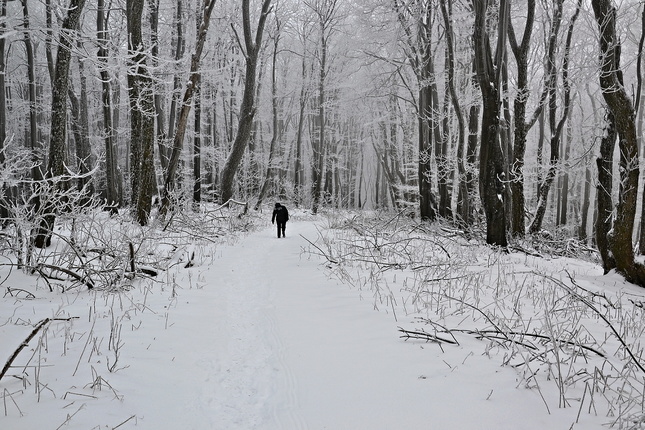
{"x": 22, "y": 346}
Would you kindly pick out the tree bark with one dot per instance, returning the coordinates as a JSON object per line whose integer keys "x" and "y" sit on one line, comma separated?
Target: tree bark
{"x": 4, "y": 210}
{"x": 182, "y": 123}
{"x": 556, "y": 129}
{"x": 492, "y": 165}
{"x": 248, "y": 108}
{"x": 58, "y": 135}
{"x": 111, "y": 177}
{"x": 142, "y": 131}
{"x": 620, "y": 105}
{"x": 270, "y": 173}
{"x": 35, "y": 146}
{"x": 463, "y": 205}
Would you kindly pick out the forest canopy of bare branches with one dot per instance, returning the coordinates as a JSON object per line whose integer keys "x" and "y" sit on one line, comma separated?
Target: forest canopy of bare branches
{"x": 514, "y": 118}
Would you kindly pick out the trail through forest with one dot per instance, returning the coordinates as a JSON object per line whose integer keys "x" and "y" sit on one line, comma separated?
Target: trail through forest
{"x": 274, "y": 343}
{"x": 260, "y": 335}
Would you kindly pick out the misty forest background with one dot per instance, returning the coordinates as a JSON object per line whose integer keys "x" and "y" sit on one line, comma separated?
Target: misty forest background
{"x": 507, "y": 118}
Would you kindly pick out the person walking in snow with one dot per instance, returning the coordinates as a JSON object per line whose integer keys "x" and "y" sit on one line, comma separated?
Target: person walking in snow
{"x": 281, "y": 215}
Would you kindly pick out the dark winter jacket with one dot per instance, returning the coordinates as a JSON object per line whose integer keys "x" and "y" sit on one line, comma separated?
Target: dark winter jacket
{"x": 280, "y": 214}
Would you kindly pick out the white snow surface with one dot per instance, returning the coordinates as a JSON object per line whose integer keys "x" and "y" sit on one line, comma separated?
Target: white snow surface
{"x": 257, "y": 335}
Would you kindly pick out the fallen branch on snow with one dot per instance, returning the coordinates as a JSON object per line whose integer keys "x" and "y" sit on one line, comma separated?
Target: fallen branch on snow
{"x": 33, "y": 333}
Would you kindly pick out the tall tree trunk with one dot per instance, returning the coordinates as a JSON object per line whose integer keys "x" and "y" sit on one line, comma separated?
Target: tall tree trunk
{"x": 640, "y": 98}
{"x": 491, "y": 158}
{"x": 270, "y": 174}
{"x": 298, "y": 180}
{"x": 318, "y": 171}
{"x": 197, "y": 139}
{"x": 111, "y": 177}
{"x": 428, "y": 126}
{"x": 197, "y": 147}
{"x": 463, "y": 206}
{"x": 161, "y": 136}
{"x": 142, "y": 132}
{"x": 556, "y": 130}
{"x": 604, "y": 190}
{"x": 180, "y": 48}
{"x": 58, "y": 135}
{"x": 182, "y": 123}
{"x": 37, "y": 169}
{"x": 4, "y": 210}
{"x": 248, "y": 108}
{"x": 620, "y": 104}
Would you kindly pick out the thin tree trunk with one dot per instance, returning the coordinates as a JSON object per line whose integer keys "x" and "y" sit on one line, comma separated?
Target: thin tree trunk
{"x": 142, "y": 132}
{"x": 4, "y": 210}
{"x": 556, "y": 130}
{"x": 273, "y": 150}
{"x": 248, "y": 108}
{"x": 463, "y": 206}
{"x": 106, "y": 101}
{"x": 161, "y": 136}
{"x": 58, "y": 135}
{"x": 182, "y": 123}
{"x": 37, "y": 169}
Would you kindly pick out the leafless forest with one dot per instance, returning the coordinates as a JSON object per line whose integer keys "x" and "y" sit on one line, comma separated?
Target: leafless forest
{"x": 505, "y": 118}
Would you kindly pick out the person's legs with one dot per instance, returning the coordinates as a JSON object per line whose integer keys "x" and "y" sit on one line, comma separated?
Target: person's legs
{"x": 278, "y": 224}
{"x": 284, "y": 226}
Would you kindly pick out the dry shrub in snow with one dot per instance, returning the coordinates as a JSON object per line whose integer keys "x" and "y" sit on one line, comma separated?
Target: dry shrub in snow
{"x": 543, "y": 309}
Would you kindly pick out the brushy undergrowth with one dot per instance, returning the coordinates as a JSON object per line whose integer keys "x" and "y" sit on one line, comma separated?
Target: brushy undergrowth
{"x": 68, "y": 312}
{"x": 543, "y": 308}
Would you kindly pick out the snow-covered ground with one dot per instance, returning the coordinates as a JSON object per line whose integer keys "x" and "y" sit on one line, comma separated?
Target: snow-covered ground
{"x": 258, "y": 334}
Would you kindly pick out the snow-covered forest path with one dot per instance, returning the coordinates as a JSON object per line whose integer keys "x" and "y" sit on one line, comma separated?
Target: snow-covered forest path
{"x": 266, "y": 340}
{"x": 273, "y": 343}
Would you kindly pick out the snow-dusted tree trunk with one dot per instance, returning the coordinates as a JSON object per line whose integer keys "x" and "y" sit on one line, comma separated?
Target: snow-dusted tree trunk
{"x": 142, "y": 131}
{"x": 492, "y": 165}
{"x": 182, "y": 122}
{"x": 270, "y": 174}
{"x": 521, "y": 51}
{"x": 556, "y": 128}
{"x": 620, "y": 104}
{"x": 111, "y": 177}
{"x": 58, "y": 135}
{"x": 252, "y": 45}
{"x": 4, "y": 212}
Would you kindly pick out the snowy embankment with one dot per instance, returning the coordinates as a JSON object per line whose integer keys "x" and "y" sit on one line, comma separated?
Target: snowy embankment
{"x": 260, "y": 334}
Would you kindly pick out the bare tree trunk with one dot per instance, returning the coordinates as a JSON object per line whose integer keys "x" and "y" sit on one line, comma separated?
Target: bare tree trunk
{"x": 142, "y": 131}
{"x": 161, "y": 136}
{"x": 182, "y": 123}
{"x": 37, "y": 169}
{"x": 80, "y": 127}
{"x": 564, "y": 194}
{"x": 4, "y": 210}
{"x": 325, "y": 11}
{"x": 640, "y": 98}
{"x": 197, "y": 147}
{"x": 298, "y": 170}
{"x": 247, "y": 110}
{"x": 180, "y": 48}
{"x": 106, "y": 101}
{"x": 521, "y": 53}
{"x": 463, "y": 205}
{"x": 556, "y": 130}
{"x": 58, "y": 136}
{"x": 273, "y": 150}
{"x": 491, "y": 160}
{"x": 620, "y": 104}
{"x": 604, "y": 189}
